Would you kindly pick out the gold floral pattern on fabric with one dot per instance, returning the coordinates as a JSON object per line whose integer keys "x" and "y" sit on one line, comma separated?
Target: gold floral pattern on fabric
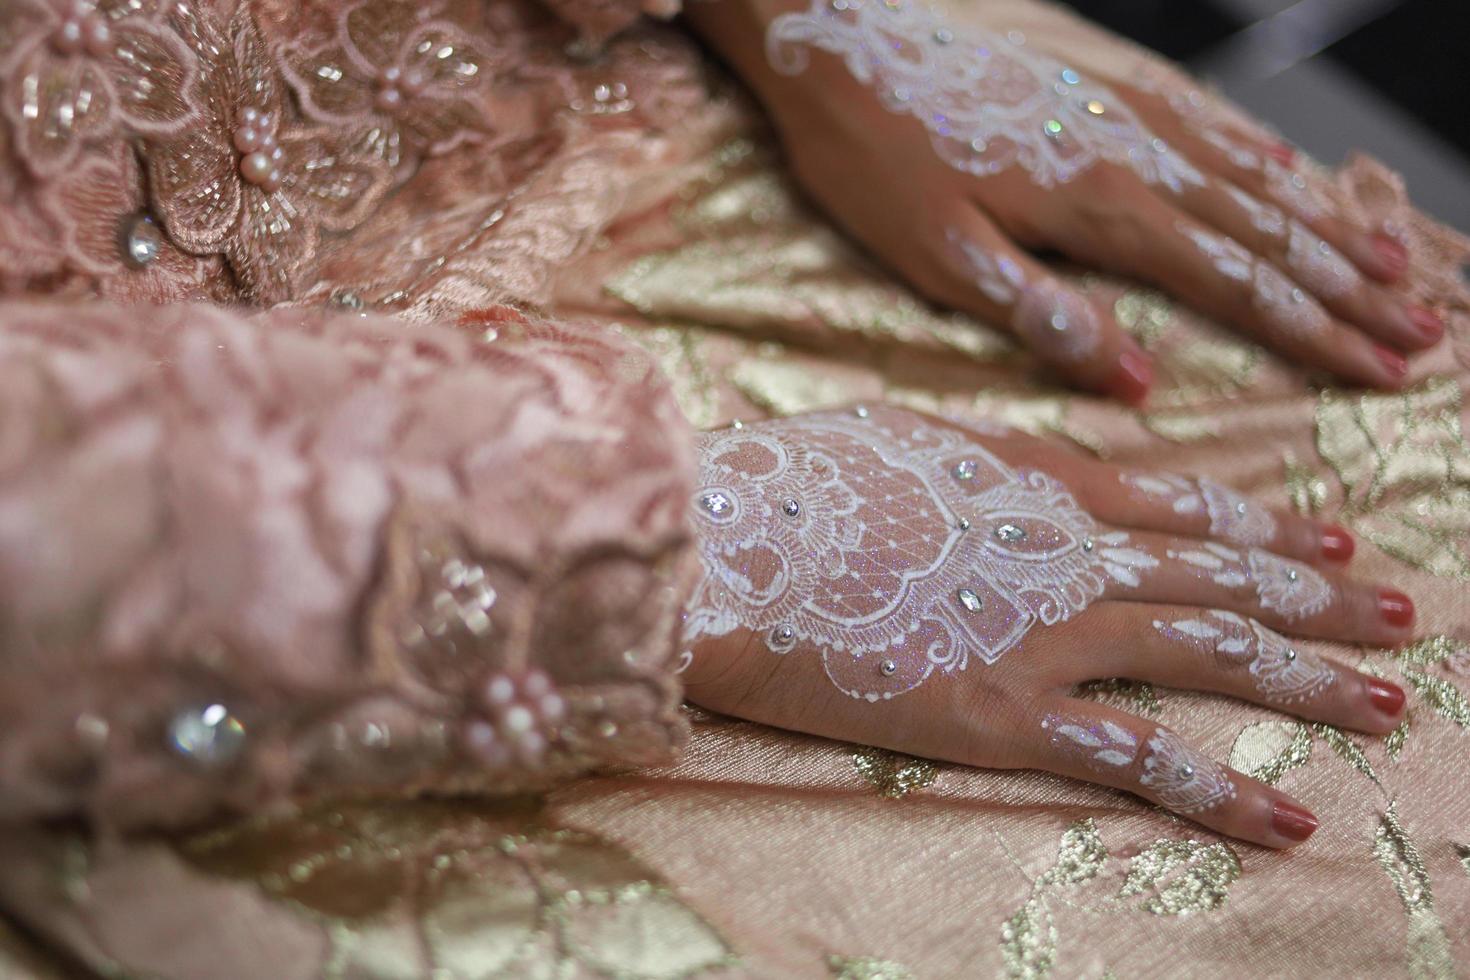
{"x": 893, "y": 774}
{"x": 1182, "y": 876}
{"x": 465, "y": 890}
{"x": 1404, "y": 469}
{"x": 1427, "y": 951}
{"x": 1268, "y": 750}
{"x": 867, "y": 968}
{"x": 1424, "y": 665}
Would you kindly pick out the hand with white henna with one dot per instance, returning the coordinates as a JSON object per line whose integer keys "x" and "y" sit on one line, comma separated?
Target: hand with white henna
{"x": 954, "y": 145}
{"x": 886, "y": 577}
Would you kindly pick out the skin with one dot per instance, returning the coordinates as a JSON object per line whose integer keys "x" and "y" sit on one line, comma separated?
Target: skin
{"x": 993, "y": 715}
{"x": 875, "y": 173}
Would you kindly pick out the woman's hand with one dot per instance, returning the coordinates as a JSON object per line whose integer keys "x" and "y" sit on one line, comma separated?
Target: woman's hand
{"x": 953, "y": 147}
{"x": 890, "y": 578}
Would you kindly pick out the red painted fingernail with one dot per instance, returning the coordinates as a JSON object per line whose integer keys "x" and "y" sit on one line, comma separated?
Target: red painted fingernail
{"x": 1291, "y": 821}
{"x": 1132, "y": 378}
{"x": 1393, "y": 362}
{"x": 1428, "y": 323}
{"x": 1283, "y": 153}
{"x": 1337, "y": 543}
{"x": 1393, "y": 254}
{"x": 1396, "y": 608}
{"x": 1387, "y": 698}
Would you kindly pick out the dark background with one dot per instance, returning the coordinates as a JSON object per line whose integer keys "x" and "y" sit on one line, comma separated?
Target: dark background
{"x": 1389, "y": 76}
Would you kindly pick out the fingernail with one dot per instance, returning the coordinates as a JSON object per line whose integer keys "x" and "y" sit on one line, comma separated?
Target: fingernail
{"x": 1291, "y": 821}
{"x": 1427, "y": 322}
{"x": 1283, "y": 154}
{"x": 1393, "y": 362}
{"x": 1393, "y": 254}
{"x": 1131, "y": 379}
{"x": 1337, "y": 543}
{"x": 1396, "y": 608}
{"x": 1387, "y": 698}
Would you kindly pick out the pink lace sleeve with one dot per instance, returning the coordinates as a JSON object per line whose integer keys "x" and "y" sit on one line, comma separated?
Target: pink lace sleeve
{"x": 249, "y": 560}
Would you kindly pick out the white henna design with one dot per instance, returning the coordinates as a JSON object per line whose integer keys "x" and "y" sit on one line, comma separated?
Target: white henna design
{"x": 890, "y": 545}
{"x": 1302, "y": 195}
{"x": 1100, "y": 746}
{"x": 1320, "y": 267}
{"x": 1183, "y": 779}
{"x": 1288, "y": 588}
{"x": 1265, "y": 218}
{"x": 1050, "y": 319}
{"x": 989, "y": 102}
{"x": 1233, "y": 516}
{"x": 1282, "y": 673}
{"x": 1281, "y": 302}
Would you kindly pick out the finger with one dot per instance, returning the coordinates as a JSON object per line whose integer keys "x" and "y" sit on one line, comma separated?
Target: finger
{"x": 1284, "y": 594}
{"x": 986, "y": 274}
{"x": 1281, "y": 177}
{"x": 1175, "y": 504}
{"x": 1098, "y": 744}
{"x": 1221, "y": 651}
{"x": 1313, "y": 262}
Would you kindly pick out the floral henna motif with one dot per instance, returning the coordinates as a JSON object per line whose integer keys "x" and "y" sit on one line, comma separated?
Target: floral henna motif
{"x": 1283, "y": 304}
{"x": 989, "y": 101}
{"x": 1288, "y": 588}
{"x": 891, "y": 545}
{"x": 1102, "y": 747}
{"x": 1233, "y": 516}
{"x": 1181, "y": 778}
{"x": 1052, "y": 320}
{"x": 1281, "y": 672}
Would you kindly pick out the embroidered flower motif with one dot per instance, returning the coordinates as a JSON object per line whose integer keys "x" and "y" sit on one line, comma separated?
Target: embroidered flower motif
{"x": 73, "y": 71}
{"x": 248, "y": 181}
{"x": 396, "y": 73}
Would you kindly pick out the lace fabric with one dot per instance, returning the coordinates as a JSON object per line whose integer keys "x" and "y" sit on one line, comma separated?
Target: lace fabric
{"x": 271, "y": 481}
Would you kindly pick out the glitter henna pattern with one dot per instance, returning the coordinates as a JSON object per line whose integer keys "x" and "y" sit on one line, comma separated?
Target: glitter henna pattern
{"x": 1102, "y": 746}
{"x": 891, "y": 545}
{"x": 1320, "y": 267}
{"x": 989, "y": 102}
{"x": 1182, "y": 778}
{"x": 1288, "y": 588}
{"x": 1281, "y": 673}
{"x": 1050, "y": 319}
{"x": 1279, "y": 301}
{"x": 1233, "y": 516}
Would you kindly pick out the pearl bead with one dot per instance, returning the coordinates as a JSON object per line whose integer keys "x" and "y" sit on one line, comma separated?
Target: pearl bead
{"x": 861, "y": 411}
{"x": 888, "y": 668}
{"x": 783, "y": 634}
{"x": 500, "y": 691}
{"x": 255, "y": 167}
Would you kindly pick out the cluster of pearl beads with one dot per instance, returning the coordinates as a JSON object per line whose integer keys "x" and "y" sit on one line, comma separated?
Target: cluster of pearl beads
{"x": 260, "y": 155}
{"x": 83, "y": 29}
{"x": 520, "y": 714}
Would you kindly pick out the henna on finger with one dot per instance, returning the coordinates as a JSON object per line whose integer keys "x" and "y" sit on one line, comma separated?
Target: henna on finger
{"x": 1233, "y": 516}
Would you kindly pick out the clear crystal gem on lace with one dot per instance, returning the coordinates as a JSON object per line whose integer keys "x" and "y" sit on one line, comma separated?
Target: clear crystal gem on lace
{"x": 970, "y": 600}
{"x": 142, "y": 242}
{"x": 1010, "y": 532}
{"x": 209, "y": 735}
{"x": 716, "y": 503}
{"x": 965, "y": 470}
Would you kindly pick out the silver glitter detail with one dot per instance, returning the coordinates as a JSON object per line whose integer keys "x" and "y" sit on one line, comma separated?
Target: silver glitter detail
{"x": 208, "y": 735}
{"x": 737, "y": 425}
{"x": 965, "y": 470}
{"x": 790, "y": 507}
{"x": 1187, "y": 771}
{"x": 964, "y": 524}
{"x": 607, "y": 729}
{"x": 1088, "y": 544}
{"x": 1291, "y": 575}
{"x": 861, "y": 411}
{"x": 1009, "y": 532}
{"x": 716, "y": 503}
{"x": 783, "y": 634}
{"x": 142, "y": 242}
{"x": 1241, "y": 508}
{"x": 970, "y": 600}
{"x": 346, "y": 299}
{"x": 943, "y": 36}
{"x": 1290, "y": 655}
{"x": 888, "y": 668}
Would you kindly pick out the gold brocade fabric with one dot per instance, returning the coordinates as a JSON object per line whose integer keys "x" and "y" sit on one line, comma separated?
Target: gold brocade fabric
{"x": 770, "y": 854}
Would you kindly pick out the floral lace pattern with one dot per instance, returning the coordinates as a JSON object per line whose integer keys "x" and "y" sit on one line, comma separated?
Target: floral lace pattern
{"x": 989, "y": 102}
{"x": 893, "y": 547}
{"x": 1233, "y": 516}
{"x": 1282, "y": 673}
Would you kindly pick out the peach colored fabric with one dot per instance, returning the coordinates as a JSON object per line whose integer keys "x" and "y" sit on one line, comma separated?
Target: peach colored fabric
{"x": 634, "y": 193}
